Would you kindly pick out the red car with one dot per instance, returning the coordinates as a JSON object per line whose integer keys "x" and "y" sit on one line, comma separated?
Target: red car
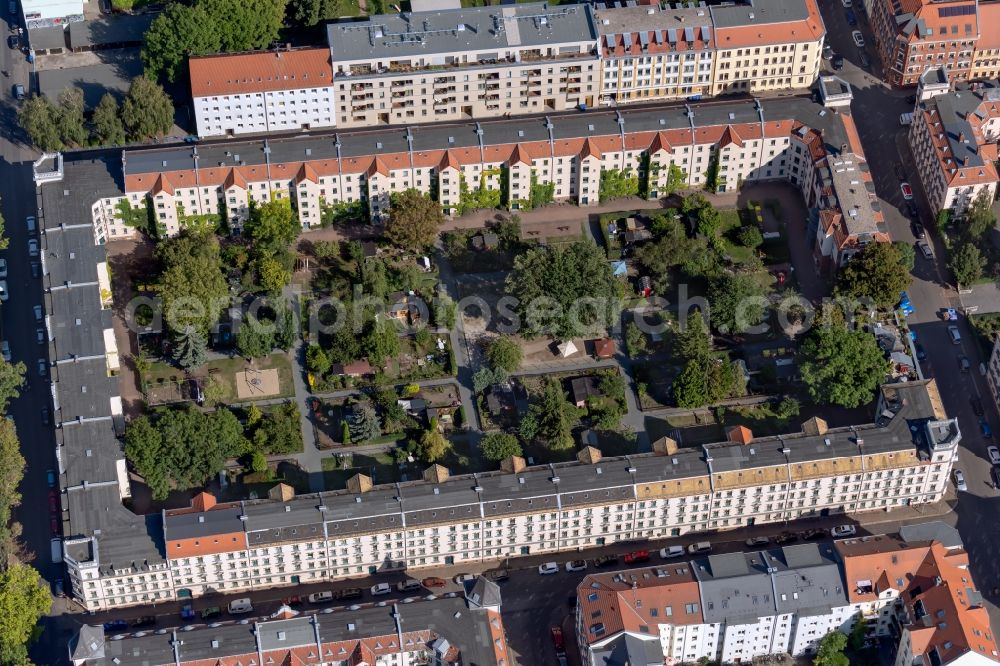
{"x": 54, "y": 503}
{"x": 557, "y": 640}
{"x": 637, "y": 556}
{"x": 907, "y": 191}
{"x": 54, "y": 525}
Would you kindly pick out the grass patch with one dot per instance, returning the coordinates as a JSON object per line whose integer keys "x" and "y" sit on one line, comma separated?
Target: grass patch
{"x": 224, "y": 370}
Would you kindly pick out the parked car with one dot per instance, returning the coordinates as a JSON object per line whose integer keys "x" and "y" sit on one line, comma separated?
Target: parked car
{"x": 863, "y": 58}
{"x": 5, "y": 350}
{"x": 349, "y": 593}
{"x": 605, "y": 561}
{"x": 955, "y": 335}
{"x": 462, "y": 578}
{"x": 914, "y": 212}
{"x": 38, "y": 313}
{"x": 984, "y": 427}
{"x": 755, "y": 542}
{"x": 995, "y": 475}
{"x": 211, "y": 612}
{"x": 859, "y": 39}
{"x": 906, "y": 190}
{"x": 187, "y": 612}
{"x": 379, "y": 589}
{"x": 846, "y": 3}
{"x": 408, "y": 585}
{"x": 32, "y": 247}
{"x": 4, "y": 294}
{"x": 54, "y": 502}
{"x": 671, "y": 552}
{"x": 960, "y": 480}
{"x": 921, "y": 352}
{"x": 19, "y": 93}
{"x": 841, "y": 531}
{"x": 50, "y": 477}
{"x": 838, "y": 62}
{"x": 977, "y": 406}
{"x": 12, "y": 42}
{"x": 40, "y": 336}
{"x": 43, "y": 367}
{"x": 144, "y": 621}
{"x": 557, "y": 640}
{"x": 292, "y": 601}
{"x": 809, "y": 535}
{"x": 918, "y": 231}
{"x": 30, "y": 224}
{"x": 925, "y": 249}
{"x": 786, "y": 537}
{"x": 700, "y": 548}
{"x": 994, "y": 454}
{"x": 497, "y": 575}
{"x": 45, "y": 415}
{"x": 827, "y": 52}
{"x": 115, "y": 625}
{"x": 963, "y": 363}
{"x": 320, "y": 597}
{"x": 36, "y": 270}
{"x": 54, "y": 525}
{"x": 852, "y": 20}
{"x": 433, "y": 581}
{"x": 576, "y": 565}
{"x": 637, "y": 556}
{"x": 548, "y": 568}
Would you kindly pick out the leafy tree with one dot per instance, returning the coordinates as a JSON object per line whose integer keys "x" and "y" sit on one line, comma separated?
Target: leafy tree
{"x": 702, "y": 260}
{"x": 433, "y": 445}
{"x": 253, "y": 415}
{"x": 705, "y": 381}
{"x": 11, "y": 380}
{"x": 694, "y": 341}
{"x": 191, "y": 283}
{"x": 487, "y": 377}
{"x": 4, "y": 241}
{"x": 183, "y": 447}
{"x": 564, "y": 290}
{"x": 737, "y": 302}
{"x": 253, "y": 340}
{"x": 500, "y": 445}
{"x": 345, "y": 432}
{"x": 551, "y": 417}
{"x": 245, "y": 25}
{"x": 365, "y": 425}
{"x": 24, "y": 600}
{"x": 190, "y": 348}
{"x": 317, "y": 361}
{"x": 635, "y": 340}
{"x": 381, "y": 342}
{"x": 841, "y": 367}
{"x": 967, "y": 263}
{"x": 284, "y": 327}
{"x": 180, "y": 31}
{"x": 70, "y": 117}
{"x": 271, "y": 227}
{"x": 943, "y": 219}
{"x": 108, "y": 127}
{"x": 676, "y": 178}
{"x": 272, "y": 275}
{"x": 374, "y": 279}
{"x": 788, "y": 407}
{"x": 750, "y": 236}
{"x": 11, "y": 473}
{"x": 308, "y": 13}
{"x": 40, "y": 120}
{"x": 147, "y": 111}
{"x": 505, "y": 354}
{"x": 279, "y": 432}
{"x": 831, "y": 650}
{"x": 258, "y": 462}
{"x": 414, "y": 220}
{"x": 980, "y": 218}
{"x": 907, "y": 255}
{"x": 876, "y": 272}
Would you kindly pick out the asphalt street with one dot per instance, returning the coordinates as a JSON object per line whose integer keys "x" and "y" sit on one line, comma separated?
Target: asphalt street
{"x": 876, "y": 110}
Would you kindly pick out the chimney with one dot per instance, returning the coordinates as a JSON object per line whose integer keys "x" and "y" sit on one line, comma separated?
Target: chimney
{"x": 665, "y": 446}
{"x": 513, "y": 465}
{"x": 965, "y": 161}
{"x": 203, "y": 501}
{"x": 843, "y": 148}
{"x": 281, "y": 493}
{"x": 815, "y": 426}
{"x": 359, "y": 483}
{"x": 589, "y": 455}
{"x": 961, "y": 137}
{"x": 436, "y": 474}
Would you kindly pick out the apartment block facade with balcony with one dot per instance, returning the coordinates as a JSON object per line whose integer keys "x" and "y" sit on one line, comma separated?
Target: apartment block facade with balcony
{"x": 914, "y": 589}
{"x": 954, "y": 144}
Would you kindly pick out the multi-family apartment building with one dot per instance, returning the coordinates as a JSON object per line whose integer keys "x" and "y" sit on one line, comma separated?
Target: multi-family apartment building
{"x": 489, "y": 62}
{"x": 993, "y": 372}
{"x": 796, "y": 140}
{"x": 913, "y": 587}
{"x": 954, "y": 144}
{"x": 269, "y": 91}
{"x": 913, "y": 35}
{"x": 986, "y": 58}
{"x": 466, "y": 629}
{"x": 653, "y": 51}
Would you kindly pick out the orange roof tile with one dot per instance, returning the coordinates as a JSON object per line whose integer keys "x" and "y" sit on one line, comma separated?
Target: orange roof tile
{"x": 259, "y": 71}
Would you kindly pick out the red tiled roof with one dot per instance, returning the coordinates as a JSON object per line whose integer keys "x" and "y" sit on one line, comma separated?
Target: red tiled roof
{"x": 260, "y": 71}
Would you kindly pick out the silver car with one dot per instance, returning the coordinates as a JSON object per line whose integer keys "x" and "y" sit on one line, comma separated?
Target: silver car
{"x": 960, "y": 480}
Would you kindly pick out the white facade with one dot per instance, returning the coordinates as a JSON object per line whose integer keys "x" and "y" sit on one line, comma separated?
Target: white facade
{"x": 269, "y": 111}
{"x": 47, "y": 13}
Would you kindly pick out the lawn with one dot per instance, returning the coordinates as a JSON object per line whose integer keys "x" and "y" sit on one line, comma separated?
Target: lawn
{"x": 731, "y": 223}
{"x": 224, "y": 370}
{"x": 379, "y": 466}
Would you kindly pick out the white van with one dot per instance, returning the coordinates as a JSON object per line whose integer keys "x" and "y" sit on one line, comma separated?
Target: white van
{"x": 239, "y": 606}
{"x": 57, "y": 549}
{"x": 320, "y": 597}
{"x": 906, "y": 119}
{"x": 700, "y": 548}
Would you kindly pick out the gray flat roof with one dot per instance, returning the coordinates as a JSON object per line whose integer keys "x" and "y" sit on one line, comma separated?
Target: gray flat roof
{"x": 480, "y": 29}
{"x": 758, "y": 12}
